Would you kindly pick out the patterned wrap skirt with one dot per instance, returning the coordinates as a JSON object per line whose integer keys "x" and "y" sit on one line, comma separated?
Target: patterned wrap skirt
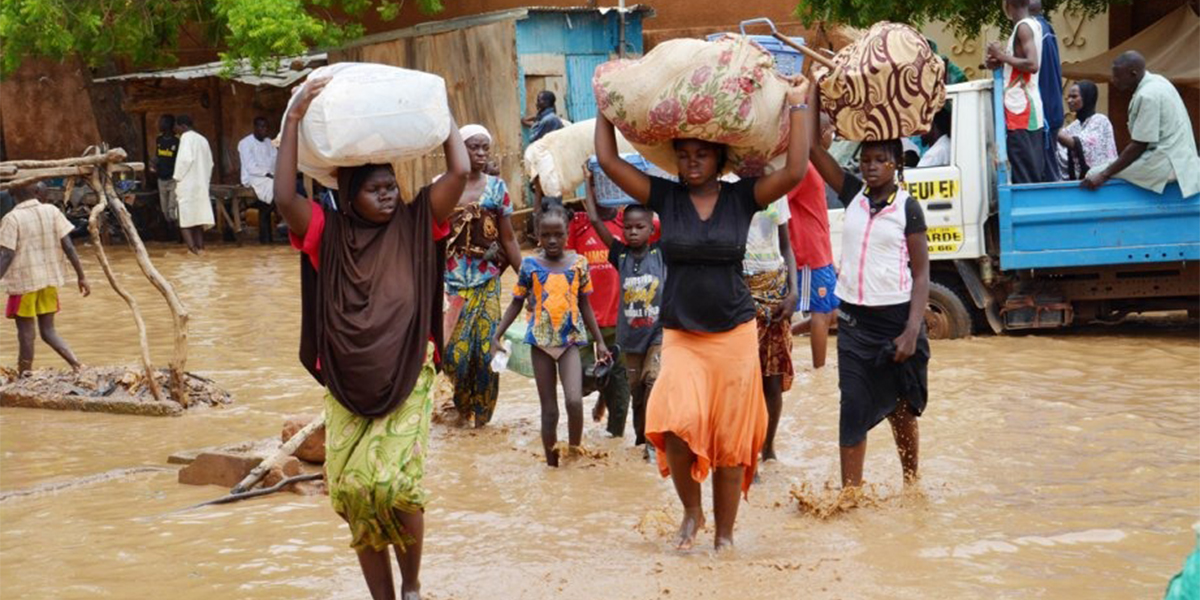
{"x": 374, "y": 467}
{"x": 774, "y": 338}
{"x": 467, "y": 360}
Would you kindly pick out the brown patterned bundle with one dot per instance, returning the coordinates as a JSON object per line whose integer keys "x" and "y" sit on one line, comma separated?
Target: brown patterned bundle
{"x": 887, "y": 85}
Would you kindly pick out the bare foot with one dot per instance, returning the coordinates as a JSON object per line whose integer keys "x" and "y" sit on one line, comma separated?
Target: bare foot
{"x": 768, "y": 454}
{"x": 552, "y": 458}
{"x": 407, "y": 594}
{"x": 724, "y": 545}
{"x": 693, "y": 522}
{"x": 598, "y": 410}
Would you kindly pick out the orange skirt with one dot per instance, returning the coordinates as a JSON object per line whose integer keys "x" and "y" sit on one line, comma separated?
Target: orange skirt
{"x": 709, "y": 394}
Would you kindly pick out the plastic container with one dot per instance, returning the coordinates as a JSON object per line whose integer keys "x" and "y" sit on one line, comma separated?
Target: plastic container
{"x": 788, "y": 60}
{"x": 519, "y": 359}
{"x": 370, "y": 113}
{"x": 607, "y": 192}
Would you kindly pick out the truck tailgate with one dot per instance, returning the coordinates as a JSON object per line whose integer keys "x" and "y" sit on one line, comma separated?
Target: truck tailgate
{"x": 1052, "y": 225}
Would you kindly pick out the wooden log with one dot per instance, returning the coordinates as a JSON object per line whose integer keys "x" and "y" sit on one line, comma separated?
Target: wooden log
{"x": 115, "y": 155}
{"x": 179, "y": 313}
{"x": 94, "y": 221}
{"x": 285, "y": 451}
{"x": 30, "y": 176}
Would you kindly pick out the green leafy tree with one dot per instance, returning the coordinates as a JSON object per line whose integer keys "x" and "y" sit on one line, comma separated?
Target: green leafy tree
{"x": 146, "y": 32}
{"x": 967, "y": 17}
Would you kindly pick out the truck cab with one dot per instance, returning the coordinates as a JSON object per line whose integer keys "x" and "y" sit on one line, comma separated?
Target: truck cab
{"x": 1046, "y": 255}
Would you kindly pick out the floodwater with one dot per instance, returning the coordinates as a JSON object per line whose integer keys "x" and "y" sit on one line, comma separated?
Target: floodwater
{"x": 1054, "y": 466}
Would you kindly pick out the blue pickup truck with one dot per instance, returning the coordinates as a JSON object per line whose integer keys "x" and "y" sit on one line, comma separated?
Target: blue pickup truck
{"x": 1046, "y": 255}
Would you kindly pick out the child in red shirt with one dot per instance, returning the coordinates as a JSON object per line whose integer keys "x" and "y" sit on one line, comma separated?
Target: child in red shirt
{"x": 809, "y": 229}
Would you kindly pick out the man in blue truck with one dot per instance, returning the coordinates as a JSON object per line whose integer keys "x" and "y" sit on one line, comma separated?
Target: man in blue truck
{"x": 1050, "y": 87}
{"x": 1161, "y": 147}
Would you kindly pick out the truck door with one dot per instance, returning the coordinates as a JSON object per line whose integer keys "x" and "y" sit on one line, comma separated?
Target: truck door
{"x": 939, "y": 191}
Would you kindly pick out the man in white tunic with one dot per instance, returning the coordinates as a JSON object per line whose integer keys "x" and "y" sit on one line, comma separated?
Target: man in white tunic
{"x": 257, "y": 155}
{"x": 193, "y": 172}
{"x": 1161, "y": 147}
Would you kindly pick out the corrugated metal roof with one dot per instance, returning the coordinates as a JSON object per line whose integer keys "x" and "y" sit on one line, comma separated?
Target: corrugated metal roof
{"x": 515, "y": 14}
{"x": 284, "y": 75}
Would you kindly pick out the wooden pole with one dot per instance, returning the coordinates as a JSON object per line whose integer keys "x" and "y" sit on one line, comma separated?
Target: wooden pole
{"x": 178, "y": 312}
{"x": 288, "y": 449}
{"x": 94, "y": 221}
{"x": 24, "y": 177}
{"x": 115, "y": 155}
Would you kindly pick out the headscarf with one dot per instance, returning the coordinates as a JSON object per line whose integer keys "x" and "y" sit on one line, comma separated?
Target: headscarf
{"x": 469, "y": 131}
{"x": 1089, "y": 93}
{"x": 374, "y": 303}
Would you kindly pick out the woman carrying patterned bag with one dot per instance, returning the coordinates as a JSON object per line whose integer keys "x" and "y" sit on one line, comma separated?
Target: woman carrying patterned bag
{"x": 480, "y": 246}
{"x": 707, "y": 409}
{"x": 883, "y": 285}
{"x": 371, "y": 300}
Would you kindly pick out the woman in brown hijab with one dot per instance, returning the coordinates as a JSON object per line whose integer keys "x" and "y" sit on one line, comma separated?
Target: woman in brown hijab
{"x": 371, "y": 282}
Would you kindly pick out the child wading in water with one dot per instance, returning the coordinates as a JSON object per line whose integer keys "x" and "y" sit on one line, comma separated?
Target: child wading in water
{"x": 643, "y": 270}
{"x": 34, "y": 237}
{"x": 559, "y": 285}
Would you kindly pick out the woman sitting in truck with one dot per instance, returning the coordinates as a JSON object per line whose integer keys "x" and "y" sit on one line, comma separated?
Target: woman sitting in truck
{"x": 1088, "y": 141}
{"x": 883, "y": 286}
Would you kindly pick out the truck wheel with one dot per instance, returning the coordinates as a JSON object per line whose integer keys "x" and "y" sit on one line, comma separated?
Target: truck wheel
{"x": 947, "y": 316}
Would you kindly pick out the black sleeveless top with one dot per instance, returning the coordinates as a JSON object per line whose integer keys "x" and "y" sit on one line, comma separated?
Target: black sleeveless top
{"x": 704, "y": 290}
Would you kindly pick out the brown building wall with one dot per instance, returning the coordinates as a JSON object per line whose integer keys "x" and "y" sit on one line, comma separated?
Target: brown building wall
{"x": 40, "y": 109}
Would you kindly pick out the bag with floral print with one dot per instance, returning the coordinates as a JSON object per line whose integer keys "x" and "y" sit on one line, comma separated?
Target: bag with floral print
{"x": 724, "y": 91}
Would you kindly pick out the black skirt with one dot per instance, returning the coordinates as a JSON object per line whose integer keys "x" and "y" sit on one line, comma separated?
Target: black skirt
{"x": 872, "y": 384}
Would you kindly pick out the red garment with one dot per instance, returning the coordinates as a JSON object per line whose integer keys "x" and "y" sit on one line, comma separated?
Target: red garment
{"x": 606, "y": 281}
{"x": 809, "y": 225}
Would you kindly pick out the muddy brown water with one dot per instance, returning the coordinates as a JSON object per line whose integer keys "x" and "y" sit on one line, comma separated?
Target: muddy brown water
{"x": 1054, "y": 466}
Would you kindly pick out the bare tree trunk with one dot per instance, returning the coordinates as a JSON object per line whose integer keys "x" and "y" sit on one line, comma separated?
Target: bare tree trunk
{"x": 94, "y": 221}
{"x": 178, "y": 312}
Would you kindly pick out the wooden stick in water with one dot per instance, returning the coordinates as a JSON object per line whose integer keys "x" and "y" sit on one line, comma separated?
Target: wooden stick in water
{"x": 288, "y": 449}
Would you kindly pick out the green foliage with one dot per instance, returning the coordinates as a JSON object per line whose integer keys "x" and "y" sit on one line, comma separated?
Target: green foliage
{"x": 967, "y": 17}
{"x": 146, "y": 32}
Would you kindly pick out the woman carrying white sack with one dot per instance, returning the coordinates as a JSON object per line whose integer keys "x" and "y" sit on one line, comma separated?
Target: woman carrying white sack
{"x": 371, "y": 310}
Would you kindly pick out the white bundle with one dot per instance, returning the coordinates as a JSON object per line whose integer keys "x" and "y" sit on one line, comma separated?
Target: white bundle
{"x": 371, "y": 114}
{"x": 557, "y": 159}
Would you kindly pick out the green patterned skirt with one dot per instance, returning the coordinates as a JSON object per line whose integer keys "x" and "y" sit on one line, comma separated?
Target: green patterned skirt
{"x": 374, "y": 467}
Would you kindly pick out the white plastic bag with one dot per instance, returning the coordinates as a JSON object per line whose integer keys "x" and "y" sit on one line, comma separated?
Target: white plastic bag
{"x": 500, "y": 358}
{"x": 371, "y": 114}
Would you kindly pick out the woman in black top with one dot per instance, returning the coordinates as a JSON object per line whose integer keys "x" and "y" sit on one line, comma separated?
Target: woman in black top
{"x": 707, "y": 409}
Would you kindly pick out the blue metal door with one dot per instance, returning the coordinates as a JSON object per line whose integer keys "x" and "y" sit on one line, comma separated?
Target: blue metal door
{"x": 581, "y": 102}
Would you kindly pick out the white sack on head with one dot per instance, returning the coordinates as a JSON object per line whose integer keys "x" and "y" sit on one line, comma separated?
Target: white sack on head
{"x": 370, "y": 114}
